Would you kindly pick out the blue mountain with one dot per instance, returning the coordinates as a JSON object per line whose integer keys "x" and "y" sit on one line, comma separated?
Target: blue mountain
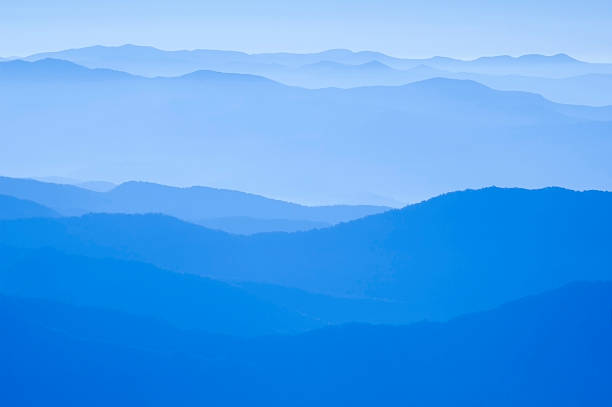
{"x": 547, "y": 349}
{"x": 319, "y": 146}
{"x": 185, "y": 301}
{"x": 93, "y": 185}
{"x": 586, "y": 89}
{"x": 150, "y": 61}
{"x": 50, "y": 69}
{"x": 558, "y": 65}
{"x": 557, "y": 77}
{"x": 182, "y": 300}
{"x": 457, "y": 253}
{"x": 218, "y": 208}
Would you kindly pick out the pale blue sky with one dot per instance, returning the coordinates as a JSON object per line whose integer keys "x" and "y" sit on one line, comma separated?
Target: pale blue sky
{"x": 463, "y": 29}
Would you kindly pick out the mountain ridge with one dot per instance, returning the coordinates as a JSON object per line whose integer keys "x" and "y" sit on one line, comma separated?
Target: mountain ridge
{"x": 272, "y": 135}
{"x": 195, "y": 204}
{"x": 442, "y": 257}
{"x": 15, "y": 208}
{"x": 560, "y": 67}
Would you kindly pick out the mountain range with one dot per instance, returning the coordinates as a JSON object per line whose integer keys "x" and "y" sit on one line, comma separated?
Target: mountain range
{"x": 552, "y": 349}
{"x": 222, "y": 209}
{"x": 458, "y": 253}
{"x": 313, "y": 146}
{"x": 150, "y": 61}
{"x": 140, "y": 274}
{"x": 560, "y": 77}
{"x": 585, "y": 89}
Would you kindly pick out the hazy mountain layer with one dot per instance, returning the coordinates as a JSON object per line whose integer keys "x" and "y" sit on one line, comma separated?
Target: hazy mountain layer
{"x": 558, "y": 77}
{"x": 149, "y": 61}
{"x": 315, "y": 146}
{"x": 233, "y": 211}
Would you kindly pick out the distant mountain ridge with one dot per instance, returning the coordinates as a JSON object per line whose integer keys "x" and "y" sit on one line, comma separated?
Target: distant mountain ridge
{"x": 141, "y": 60}
{"x": 195, "y": 204}
{"x": 558, "y": 77}
{"x": 56, "y": 69}
{"x": 99, "y": 186}
{"x": 305, "y": 145}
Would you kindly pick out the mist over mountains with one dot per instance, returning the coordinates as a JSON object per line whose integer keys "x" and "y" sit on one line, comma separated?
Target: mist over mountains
{"x": 298, "y": 144}
{"x": 150, "y": 61}
{"x": 559, "y": 77}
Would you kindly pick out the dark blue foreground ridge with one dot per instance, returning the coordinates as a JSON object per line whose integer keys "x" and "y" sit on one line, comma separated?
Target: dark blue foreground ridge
{"x": 549, "y": 349}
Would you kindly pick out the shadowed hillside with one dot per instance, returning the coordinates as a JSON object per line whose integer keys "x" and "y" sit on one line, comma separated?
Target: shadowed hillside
{"x": 185, "y": 301}
{"x": 551, "y": 349}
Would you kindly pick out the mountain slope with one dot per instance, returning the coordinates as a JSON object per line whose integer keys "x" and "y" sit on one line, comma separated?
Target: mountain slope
{"x": 587, "y": 89}
{"x": 551, "y": 349}
{"x": 185, "y": 301}
{"x": 55, "y": 70}
{"x": 457, "y": 253}
{"x": 557, "y": 77}
{"x": 592, "y": 89}
{"x": 14, "y": 208}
